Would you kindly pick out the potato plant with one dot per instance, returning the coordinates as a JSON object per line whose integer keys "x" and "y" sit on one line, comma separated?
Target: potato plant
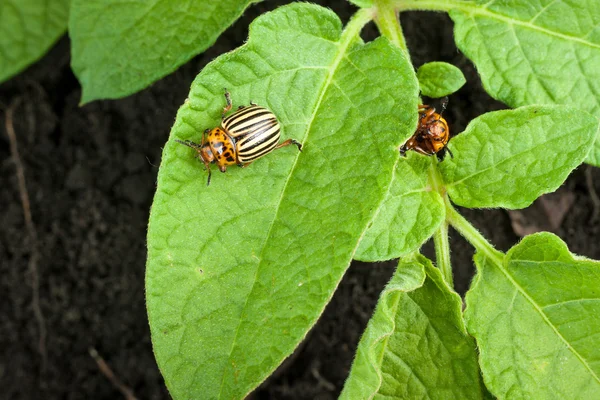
{"x": 239, "y": 271}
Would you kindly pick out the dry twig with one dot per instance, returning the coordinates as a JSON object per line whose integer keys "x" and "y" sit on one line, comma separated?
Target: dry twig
{"x": 106, "y": 371}
{"x": 31, "y": 231}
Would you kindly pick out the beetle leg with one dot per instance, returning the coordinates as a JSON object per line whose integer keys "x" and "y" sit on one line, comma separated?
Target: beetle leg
{"x": 423, "y": 150}
{"x": 288, "y": 142}
{"x": 228, "y": 106}
{"x": 204, "y": 135}
{"x": 425, "y": 111}
{"x": 207, "y": 166}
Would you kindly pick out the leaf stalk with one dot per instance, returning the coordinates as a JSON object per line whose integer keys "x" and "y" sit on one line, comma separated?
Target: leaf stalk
{"x": 440, "y": 237}
{"x": 356, "y": 23}
{"x": 388, "y": 23}
{"x": 431, "y": 5}
{"x": 442, "y": 253}
{"x": 470, "y": 233}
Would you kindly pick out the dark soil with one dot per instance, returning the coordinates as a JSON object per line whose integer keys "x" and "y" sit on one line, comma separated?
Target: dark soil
{"x": 90, "y": 174}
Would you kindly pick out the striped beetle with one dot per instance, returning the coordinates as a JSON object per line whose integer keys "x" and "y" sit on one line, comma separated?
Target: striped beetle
{"x": 432, "y": 133}
{"x": 246, "y": 135}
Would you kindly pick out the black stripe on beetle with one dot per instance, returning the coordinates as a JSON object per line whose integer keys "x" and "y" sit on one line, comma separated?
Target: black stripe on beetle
{"x": 250, "y": 115}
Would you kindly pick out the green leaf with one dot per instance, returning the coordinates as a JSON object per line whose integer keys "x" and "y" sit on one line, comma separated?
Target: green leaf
{"x": 240, "y": 270}
{"x": 535, "y": 314}
{"x": 535, "y": 52}
{"x": 119, "y": 47}
{"x": 28, "y": 28}
{"x": 439, "y": 79}
{"x": 509, "y": 158}
{"x": 410, "y": 214}
{"x": 416, "y": 345}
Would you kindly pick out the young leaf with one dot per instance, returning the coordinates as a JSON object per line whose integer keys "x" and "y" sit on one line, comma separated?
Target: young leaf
{"x": 240, "y": 270}
{"x": 535, "y": 52}
{"x": 416, "y": 345}
{"x": 28, "y": 28}
{"x": 439, "y": 79}
{"x": 535, "y": 314}
{"x": 120, "y": 47}
{"x": 509, "y": 158}
{"x": 408, "y": 216}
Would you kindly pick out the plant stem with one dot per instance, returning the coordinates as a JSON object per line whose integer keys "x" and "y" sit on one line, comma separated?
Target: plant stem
{"x": 470, "y": 233}
{"x": 388, "y": 23}
{"x": 442, "y": 253}
{"x": 440, "y": 237}
{"x": 431, "y": 5}
{"x": 356, "y": 23}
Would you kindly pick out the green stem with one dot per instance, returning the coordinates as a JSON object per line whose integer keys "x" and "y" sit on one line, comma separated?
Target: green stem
{"x": 388, "y": 23}
{"x": 432, "y": 5}
{"x": 356, "y": 23}
{"x": 470, "y": 233}
{"x": 442, "y": 253}
{"x": 440, "y": 237}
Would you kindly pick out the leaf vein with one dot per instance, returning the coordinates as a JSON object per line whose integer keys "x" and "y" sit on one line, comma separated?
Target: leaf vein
{"x": 503, "y": 268}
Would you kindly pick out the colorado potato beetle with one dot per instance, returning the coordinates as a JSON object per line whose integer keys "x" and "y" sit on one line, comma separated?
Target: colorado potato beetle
{"x": 432, "y": 133}
{"x": 244, "y": 136}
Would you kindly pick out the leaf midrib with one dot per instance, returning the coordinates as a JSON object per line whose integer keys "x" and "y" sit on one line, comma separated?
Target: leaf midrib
{"x": 500, "y": 264}
{"x": 472, "y": 9}
{"x": 527, "y": 24}
{"x": 524, "y": 151}
{"x": 347, "y": 38}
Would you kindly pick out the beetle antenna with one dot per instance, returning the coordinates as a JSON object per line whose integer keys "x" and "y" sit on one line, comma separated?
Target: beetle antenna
{"x": 444, "y": 104}
{"x": 228, "y": 106}
{"x": 189, "y": 143}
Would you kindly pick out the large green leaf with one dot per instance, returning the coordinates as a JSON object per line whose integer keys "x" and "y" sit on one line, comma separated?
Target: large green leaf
{"x": 240, "y": 270}
{"x": 410, "y": 214}
{"x": 535, "y": 314}
{"x": 534, "y": 51}
{"x": 416, "y": 345}
{"x": 28, "y": 28}
{"x": 509, "y": 158}
{"x": 122, "y": 46}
